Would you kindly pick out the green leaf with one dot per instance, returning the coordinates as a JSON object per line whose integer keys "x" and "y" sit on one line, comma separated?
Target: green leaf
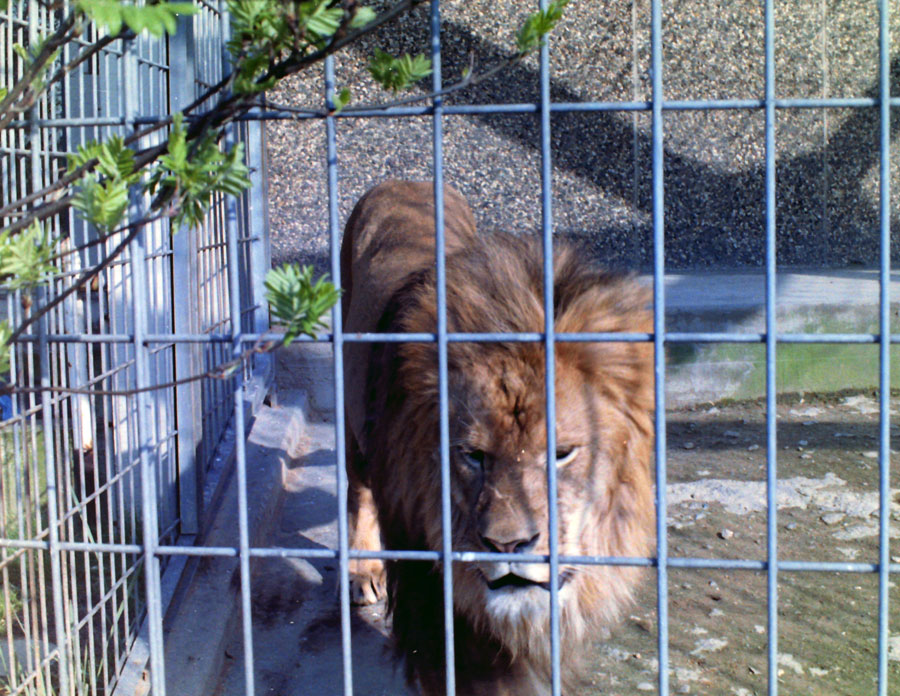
{"x": 155, "y": 19}
{"x": 3, "y": 93}
{"x": 397, "y": 74}
{"x": 536, "y": 27}
{"x": 363, "y": 16}
{"x": 194, "y": 172}
{"x": 102, "y": 195}
{"x": 341, "y": 100}
{"x": 298, "y": 303}
{"x": 25, "y": 257}
{"x": 102, "y": 203}
{"x": 5, "y": 335}
{"x": 317, "y": 17}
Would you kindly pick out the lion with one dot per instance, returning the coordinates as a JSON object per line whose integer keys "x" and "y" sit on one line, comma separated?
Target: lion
{"x": 497, "y": 441}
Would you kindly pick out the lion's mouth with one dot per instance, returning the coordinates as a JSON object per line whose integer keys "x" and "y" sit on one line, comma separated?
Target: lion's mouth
{"x": 517, "y": 581}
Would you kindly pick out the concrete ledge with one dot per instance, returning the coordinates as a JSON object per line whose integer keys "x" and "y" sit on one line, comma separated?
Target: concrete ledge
{"x": 844, "y": 301}
{"x": 209, "y": 614}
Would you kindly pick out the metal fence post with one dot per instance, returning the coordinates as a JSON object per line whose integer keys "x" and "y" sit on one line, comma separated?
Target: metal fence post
{"x": 233, "y": 268}
{"x": 188, "y": 358}
{"x": 659, "y": 341}
{"x": 884, "y": 343}
{"x": 145, "y": 411}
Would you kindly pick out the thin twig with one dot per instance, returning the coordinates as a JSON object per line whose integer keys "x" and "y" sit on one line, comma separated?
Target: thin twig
{"x": 106, "y": 237}
{"x": 222, "y": 371}
{"x": 469, "y": 80}
{"x": 42, "y": 212}
{"x": 85, "y": 276}
{"x": 33, "y": 70}
{"x": 93, "y": 49}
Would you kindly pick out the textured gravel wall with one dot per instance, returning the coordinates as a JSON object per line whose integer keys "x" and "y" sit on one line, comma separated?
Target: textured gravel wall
{"x": 827, "y": 172}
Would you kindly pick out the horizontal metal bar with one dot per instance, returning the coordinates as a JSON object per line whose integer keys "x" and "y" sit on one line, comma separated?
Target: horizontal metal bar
{"x": 497, "y": 337}
{"x": 464, "y": 557}
{"x": 488, "y": 110}
{"x": 90, "y": 122}
{"x": 572, "y": 107}
{"x": 151, "y": 338}
{"x": 613, "y": 337}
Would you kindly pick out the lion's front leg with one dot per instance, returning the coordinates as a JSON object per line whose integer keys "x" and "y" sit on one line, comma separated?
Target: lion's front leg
{"x": 368, "y": 577}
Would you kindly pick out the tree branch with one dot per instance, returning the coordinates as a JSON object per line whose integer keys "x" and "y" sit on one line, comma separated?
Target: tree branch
{"x": 469, "y": 80}
{"x": 85, "y": 276}
{"x": 219, "y": 115}
{"x": 33, "y": 70}
{"x": 221, "y": 371}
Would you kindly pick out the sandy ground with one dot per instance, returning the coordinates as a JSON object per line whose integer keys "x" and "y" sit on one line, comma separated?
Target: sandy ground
{"x": 827, "y": 190}
{"x": 827, "y": 511}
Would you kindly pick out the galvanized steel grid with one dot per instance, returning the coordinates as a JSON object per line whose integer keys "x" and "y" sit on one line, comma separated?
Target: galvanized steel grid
{"x": 656, "y": 106}
{"x": 92, "y": 483}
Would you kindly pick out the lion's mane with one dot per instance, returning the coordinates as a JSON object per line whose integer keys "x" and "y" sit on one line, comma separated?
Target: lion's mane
{"x": 494, "y": 284}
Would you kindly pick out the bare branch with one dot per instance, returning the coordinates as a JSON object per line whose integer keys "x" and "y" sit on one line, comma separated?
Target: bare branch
{"x": 93, "y": 49}
{"x": 19, "y": 88}
{"x": 221, "y": 371}
{"x": 469, "y": 80}
{"x": 41, "y": 213}
{"x": 84, "y": 278}
{"x": 106, "y": 237}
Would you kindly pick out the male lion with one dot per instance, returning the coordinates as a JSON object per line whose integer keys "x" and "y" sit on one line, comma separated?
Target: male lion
{"x": 497, "y": 441}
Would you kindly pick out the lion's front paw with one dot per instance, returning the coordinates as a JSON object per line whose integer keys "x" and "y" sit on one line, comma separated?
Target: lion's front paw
{"x": 367, "y": 581}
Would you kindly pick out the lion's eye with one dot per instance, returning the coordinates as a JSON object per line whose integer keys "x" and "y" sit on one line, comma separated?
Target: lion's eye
{"x": 474, "y": 459}
{"x": 564, "y": 455}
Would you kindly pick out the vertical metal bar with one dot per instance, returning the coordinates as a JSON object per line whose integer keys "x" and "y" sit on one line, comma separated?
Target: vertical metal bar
{"x": 659, "y": 354}
{"x": 884, "y": 386}
{"x": 258, "y": 225}
{"x": 184, "y": 276}
{"x": 443, "y": 396}
{"x": 338, "y": 348}
{"x": 239, "y": 441}
{"x": 56, "y": 579}
{"x": 145, "y": 410}
{"x": 232, "y": 261}
{"x": 549, "y": 357}
{"x": 771, "y": 387}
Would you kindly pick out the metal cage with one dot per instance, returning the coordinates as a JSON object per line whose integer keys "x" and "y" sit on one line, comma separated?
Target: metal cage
{"x": 100, "y": 588}
{"x": 111, "y": 459}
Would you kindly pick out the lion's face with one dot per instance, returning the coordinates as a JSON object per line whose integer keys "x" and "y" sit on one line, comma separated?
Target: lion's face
{"x": 500, "y": 490}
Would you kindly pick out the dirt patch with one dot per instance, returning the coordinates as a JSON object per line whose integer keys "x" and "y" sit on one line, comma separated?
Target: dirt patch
{"x": 828, "y": 509}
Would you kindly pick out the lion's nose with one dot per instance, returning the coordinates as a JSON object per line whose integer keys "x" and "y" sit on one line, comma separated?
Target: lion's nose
{"x": 510, "y": 546}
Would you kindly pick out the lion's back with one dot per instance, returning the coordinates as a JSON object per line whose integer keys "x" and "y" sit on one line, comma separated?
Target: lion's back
{"x": 389, "y": 236}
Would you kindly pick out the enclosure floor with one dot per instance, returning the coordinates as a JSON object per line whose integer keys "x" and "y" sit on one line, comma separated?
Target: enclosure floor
{"x": 827, "y": 511}
{"x": 296, "y": 620}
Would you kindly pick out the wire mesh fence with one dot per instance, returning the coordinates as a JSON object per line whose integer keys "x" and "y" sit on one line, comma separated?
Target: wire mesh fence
{"x": 101, "y": 493}
{"x": 95, "y": 471}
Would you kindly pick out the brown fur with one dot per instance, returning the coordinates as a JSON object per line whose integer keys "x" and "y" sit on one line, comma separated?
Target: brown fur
{"x": 497, "y": 439}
